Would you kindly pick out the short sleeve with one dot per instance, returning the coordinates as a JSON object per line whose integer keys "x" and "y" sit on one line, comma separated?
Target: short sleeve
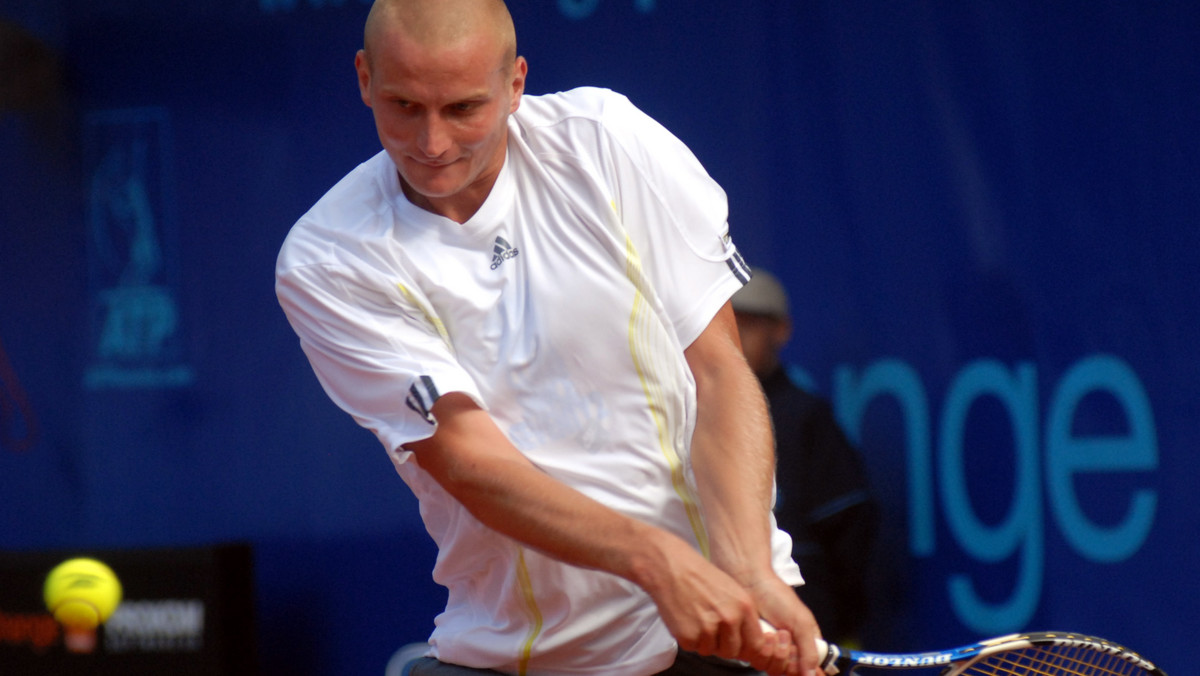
{"x": 375, "y": 347}
{"x": 676, "y": 216}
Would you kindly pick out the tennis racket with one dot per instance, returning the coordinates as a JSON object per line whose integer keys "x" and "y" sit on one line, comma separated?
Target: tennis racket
{"x": 1034, "y": 654}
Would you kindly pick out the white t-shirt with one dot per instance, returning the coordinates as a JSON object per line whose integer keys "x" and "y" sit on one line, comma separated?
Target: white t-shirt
{"x": 562, "y": 307}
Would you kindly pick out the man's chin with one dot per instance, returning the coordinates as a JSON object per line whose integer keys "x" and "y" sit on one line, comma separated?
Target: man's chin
{"x": 436, "y": 187}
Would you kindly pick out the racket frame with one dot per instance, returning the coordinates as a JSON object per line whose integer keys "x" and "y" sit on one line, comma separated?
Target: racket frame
{"x": 954, "y": 661}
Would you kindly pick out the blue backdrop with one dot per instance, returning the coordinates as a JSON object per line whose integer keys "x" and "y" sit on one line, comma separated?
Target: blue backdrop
{"x": 986, "y": 214}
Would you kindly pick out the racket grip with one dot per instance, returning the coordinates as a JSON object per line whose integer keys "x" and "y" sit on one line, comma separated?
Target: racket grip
{"x": 827, "y": 653}
{"x": 822, "y": 649}
{"x": 827, "y": 656}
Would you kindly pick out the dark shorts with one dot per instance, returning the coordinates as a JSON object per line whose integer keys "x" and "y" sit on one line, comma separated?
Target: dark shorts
{"x": 686, "y": 664}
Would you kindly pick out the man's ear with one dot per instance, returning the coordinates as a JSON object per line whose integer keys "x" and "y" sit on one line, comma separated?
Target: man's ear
{"x": 363, "y": 68}
{"x": 520, "y": 70}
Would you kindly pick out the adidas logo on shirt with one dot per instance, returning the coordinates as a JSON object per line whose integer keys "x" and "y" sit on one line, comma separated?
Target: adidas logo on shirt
{"x": 502, "y": 251}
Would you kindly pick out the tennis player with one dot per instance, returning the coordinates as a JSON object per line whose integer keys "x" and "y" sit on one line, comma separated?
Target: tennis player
{"x": 526, "y": 298}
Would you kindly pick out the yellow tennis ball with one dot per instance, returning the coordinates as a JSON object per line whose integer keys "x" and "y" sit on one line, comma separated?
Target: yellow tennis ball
{"x": 82, "y": 593}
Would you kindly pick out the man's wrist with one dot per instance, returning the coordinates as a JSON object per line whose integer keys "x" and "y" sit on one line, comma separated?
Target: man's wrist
{"x": 747, "y": 569}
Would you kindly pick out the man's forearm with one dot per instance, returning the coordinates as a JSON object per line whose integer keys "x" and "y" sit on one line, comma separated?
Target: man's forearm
{"x": 733, "y": 461}
{"x": 472, "y": 459}
{"x": 732, "y": 454}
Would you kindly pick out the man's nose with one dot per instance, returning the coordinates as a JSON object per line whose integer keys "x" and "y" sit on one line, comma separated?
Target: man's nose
{"x": 434, "y": 136}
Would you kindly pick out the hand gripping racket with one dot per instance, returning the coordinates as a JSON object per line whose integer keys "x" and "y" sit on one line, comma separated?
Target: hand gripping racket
{"x": 1035, "y": 654}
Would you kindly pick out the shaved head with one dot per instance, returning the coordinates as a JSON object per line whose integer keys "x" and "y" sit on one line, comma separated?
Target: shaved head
{"x": 441, "y": 78}
{"x": 440, "y": 23}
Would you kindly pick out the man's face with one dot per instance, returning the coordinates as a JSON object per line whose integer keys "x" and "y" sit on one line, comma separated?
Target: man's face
{"x": 441, "y": 114}
{"x": 762, "y": 337}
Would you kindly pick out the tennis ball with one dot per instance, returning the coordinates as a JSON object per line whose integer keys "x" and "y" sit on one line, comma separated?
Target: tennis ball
{"x": 82, "y": 593}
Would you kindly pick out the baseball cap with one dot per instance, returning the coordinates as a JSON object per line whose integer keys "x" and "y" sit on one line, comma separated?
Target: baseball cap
{"x": 762, "y": 295}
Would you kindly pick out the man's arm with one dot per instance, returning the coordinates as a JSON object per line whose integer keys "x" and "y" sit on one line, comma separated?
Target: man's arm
{"x": 733, "y": 459}
{"x": 471, "y": 458}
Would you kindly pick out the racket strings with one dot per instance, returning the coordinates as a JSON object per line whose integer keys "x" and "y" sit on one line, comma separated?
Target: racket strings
{"x": 1053, "y": 661}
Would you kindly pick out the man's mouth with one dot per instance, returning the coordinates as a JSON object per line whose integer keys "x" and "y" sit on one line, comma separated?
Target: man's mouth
{"x": 432, "y": 164}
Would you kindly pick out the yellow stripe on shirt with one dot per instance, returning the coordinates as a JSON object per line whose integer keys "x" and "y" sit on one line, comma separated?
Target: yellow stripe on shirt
{"x": 535, "y": 613}
{"x": 429, "y": 314}
{"x": 641, "y": 348}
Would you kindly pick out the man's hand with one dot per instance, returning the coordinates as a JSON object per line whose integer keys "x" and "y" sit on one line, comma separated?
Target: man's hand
{"x": 781, "y": 607}
{"x": 706, "y": 610}
{"x": 710, "y": 613}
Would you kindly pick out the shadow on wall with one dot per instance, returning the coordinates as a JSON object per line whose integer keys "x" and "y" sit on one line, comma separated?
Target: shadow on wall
{"x": 33, "y": 86}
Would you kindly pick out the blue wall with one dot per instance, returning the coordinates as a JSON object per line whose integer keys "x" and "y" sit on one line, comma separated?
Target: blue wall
{"x": 986, "y": 213}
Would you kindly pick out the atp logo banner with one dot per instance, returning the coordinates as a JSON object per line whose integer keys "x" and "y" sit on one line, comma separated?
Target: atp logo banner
{"x": 136, "y": 323}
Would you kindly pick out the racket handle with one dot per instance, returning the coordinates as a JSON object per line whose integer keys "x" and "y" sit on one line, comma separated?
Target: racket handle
{"x": 827, "y": 653}
{"x": 822, "y": 649}
{"x": 827, "y": 656}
